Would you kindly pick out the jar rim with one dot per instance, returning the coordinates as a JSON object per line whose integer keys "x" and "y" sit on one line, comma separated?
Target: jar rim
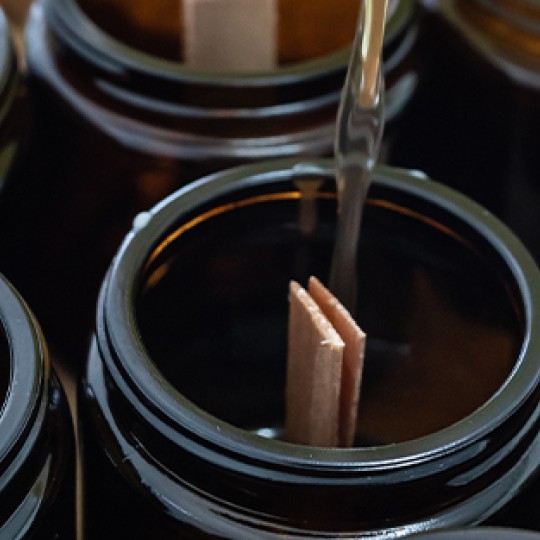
{"x": 79, "y": 28}
{"x": 118, "y": 314}
{"x": 27, "y": 368}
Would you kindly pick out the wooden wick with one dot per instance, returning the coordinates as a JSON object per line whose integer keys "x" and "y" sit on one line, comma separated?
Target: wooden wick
{"x": 230, "y": 35}
{"x": 324, "y": 368}
{"x": 353, "y": 357}
{"x": 315, "y": 357}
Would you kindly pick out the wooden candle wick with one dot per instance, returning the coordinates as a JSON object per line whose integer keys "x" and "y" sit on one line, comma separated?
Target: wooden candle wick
{"x": 324, "y": 368}
{"x": 230, "y": 35}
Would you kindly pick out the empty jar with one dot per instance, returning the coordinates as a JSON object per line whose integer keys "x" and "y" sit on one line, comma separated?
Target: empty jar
{"x": 121, "y": 122}
{"x": 183, "y": 393}
{"x": 37, "y": 464}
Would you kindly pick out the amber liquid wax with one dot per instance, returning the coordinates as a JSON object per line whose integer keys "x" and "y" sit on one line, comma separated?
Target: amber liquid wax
{"x": 213, "y": 316}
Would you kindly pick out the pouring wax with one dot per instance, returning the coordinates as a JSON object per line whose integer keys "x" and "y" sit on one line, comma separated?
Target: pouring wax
{"x": 360, "y": 122}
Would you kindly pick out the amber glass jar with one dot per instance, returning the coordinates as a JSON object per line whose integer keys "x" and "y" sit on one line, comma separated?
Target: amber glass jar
{"x": 120, "y": 123}
{"x": 183, "y": 393}
{"x": 475, "y": 126}
{"x": 37, "y": 467}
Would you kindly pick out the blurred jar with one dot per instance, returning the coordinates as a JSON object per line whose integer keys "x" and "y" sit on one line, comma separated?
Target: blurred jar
{"x": 183, "y": 392}
{"x": 121, "y": 122}
{"x": 14, "y": 133}
{"x": 475, "y": 123}
{"x": 37, "y": 465}
{"x": 13, "y": 113}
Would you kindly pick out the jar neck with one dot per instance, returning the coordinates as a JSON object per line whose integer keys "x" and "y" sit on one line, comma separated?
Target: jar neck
{"x": 74, "y": 33}
{"x": 135, "y": 83}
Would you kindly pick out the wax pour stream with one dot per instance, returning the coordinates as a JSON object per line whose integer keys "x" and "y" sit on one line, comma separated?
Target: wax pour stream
{"x": 326, "y": 346}
{"x": 360, "y": 121}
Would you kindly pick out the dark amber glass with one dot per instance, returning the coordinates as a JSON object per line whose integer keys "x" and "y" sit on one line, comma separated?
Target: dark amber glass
{"x": 37, "y": 465}
{"x": 13, "y": 114}
{"x": 120, "y": 124}
{"x": 14, "y": 131}
{"x": 183, "y": 394}
{"x": 13, "y": 126}
{"x": 475, "y": 123}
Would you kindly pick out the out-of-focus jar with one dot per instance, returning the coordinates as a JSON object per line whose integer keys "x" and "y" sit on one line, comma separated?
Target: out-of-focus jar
{"x": 120, "y": 124}
{"x": 14, "y": 131}
{"x": 37, "y": 464}
{"x": 183, "y": 393}
{"x": 475, "y": 123}
{"x": 13, "y": 114}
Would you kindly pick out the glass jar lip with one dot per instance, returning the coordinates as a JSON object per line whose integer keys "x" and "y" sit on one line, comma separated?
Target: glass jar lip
{"x": 86, "y": 37}
{"x": 27, "y": 368}
{"x": 117, "y": 314}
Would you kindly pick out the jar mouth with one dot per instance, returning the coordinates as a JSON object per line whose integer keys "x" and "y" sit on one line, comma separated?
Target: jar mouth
{"x": 148, "y": 382}
{"x": 79, "y": 29}
{"x": 22, "y": 365}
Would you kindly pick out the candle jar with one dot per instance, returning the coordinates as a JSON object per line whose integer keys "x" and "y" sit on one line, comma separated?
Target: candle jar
{"x": 120, "y": 124}
{"x": 37, "y": 467}
{"x": 183, "y": 394}
{"x": 475, "y": 126}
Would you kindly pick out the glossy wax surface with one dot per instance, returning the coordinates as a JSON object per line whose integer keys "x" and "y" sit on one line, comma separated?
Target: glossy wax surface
{"x": 439, "y": 321}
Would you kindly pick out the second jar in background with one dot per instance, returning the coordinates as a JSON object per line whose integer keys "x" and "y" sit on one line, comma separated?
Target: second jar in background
{"x": 119, "y": 123}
